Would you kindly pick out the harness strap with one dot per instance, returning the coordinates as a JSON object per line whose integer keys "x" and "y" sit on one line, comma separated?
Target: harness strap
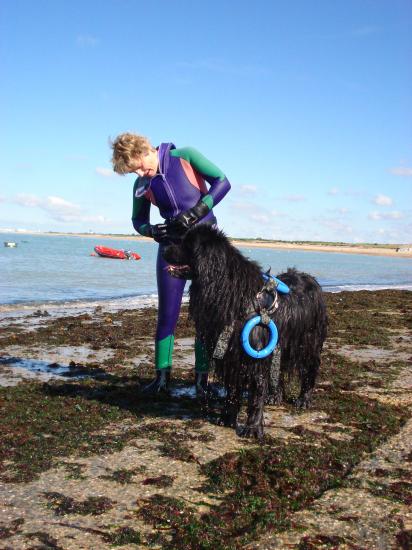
{"x": 264, "y": 305}
{"x": 258, "y": 307}
{"x": 274, "y": 373}
{"x": 223, "y": 342}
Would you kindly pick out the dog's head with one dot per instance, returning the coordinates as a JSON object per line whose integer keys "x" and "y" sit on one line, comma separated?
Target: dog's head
{"x": 200, "y": 249}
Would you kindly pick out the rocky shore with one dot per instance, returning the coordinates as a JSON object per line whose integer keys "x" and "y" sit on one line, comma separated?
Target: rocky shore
{"x": 86, "y": 462}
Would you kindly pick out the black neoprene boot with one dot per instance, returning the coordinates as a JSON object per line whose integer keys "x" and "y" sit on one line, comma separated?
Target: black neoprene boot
{"x": 160, "y": 385}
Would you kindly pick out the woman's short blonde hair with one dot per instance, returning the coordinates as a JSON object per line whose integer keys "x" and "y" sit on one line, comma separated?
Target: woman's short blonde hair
{"x": 127, "y": 148}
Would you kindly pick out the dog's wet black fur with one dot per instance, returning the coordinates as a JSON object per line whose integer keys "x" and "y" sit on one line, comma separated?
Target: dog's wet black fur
{"x": 224, "y": 287}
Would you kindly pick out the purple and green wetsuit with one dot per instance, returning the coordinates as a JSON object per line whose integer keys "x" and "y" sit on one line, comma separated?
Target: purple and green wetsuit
{"x": 178, "y": 186}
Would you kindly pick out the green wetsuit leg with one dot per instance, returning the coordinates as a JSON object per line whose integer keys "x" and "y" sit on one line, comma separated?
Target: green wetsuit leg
{"x": 164, "y": 352}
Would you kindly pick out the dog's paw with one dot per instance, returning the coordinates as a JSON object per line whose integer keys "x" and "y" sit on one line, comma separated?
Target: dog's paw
{"x": 303, "y": 402}
{"x": 227, "y": 421}
{"x": 274, "y": 399}
{"x": 252, "y": 431}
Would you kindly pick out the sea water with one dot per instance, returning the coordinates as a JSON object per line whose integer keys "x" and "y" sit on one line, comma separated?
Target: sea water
{"x": 46, "y": 271}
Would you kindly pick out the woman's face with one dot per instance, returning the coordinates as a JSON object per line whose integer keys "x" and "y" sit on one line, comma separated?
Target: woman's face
{"x": 146, "y": 165}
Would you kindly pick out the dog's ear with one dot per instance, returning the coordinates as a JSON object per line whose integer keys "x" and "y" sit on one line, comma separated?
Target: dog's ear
{"x": 192, "y": 245}
{"x": 208, "y": 248}
{"x": 199, "y": 234}
{"x": 202, "y": 236}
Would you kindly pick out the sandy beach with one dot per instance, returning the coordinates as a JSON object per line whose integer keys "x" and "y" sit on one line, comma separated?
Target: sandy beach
{"x": 405, "y": 250}
{"x": 341, "y": 249}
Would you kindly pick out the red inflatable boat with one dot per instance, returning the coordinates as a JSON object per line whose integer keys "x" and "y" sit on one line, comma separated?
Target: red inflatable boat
{"x": 106, "y": 252}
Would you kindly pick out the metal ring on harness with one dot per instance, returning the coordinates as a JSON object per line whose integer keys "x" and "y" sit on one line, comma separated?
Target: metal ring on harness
{"x": 249, "y": 326}
{"x": 280, "y": 285}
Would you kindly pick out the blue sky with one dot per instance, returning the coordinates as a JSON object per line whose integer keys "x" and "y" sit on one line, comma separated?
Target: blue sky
{"x": 305, "y": 105}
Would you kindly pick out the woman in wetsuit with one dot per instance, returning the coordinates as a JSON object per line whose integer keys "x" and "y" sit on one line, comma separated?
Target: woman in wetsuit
{"x": 174, "y": 180}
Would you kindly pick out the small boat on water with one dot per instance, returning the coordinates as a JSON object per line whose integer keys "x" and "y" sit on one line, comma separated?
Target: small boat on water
{"x": 10, "y": 244}
{"x": 106, "y": 252}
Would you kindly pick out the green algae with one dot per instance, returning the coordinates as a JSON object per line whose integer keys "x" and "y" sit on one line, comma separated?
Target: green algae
{"x": 159, "y": 481}
{"x": 259, "y": 487}
{"x": 38, "y": 427}
{"x": 63, "y": 505}
{"x": 14, "y": 527}
{"x": 264, "y": 485}
{"x": 122, "y": 475}
{"x": 47, "y": 541}
{"x": 125, "y": 333}
{"x": 326, "y": 542}
{"x": 397, "y": 491}
{"x": 367, "y": 318}
{"x": 123, "y": 536}
{"x": 74, "y": 470}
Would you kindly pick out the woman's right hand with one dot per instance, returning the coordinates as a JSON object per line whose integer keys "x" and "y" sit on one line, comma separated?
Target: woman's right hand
{"x": 159, "y": 232}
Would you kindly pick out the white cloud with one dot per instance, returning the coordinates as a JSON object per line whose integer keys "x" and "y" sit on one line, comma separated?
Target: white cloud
{"x": 340, "y": 211}
{"x": 254, "y": 213}
{"x": 76, "y": 157}
{"x": 67, "y": 218}
{"x": 243, "y": 206}
{"x": 260, "y": 218}
{"x": 366, "y": 30}
{"x": 53, "y": 205}
{"x": 220, "y": 66}
{"x": 86, "y": 40}
{"x": 354, "y": 193}
{"x": 383, "y": 200}
{"x": 336, "y": 225}
{"x": 333, "y": 191}
{"x": 27, "y": 200}
{"x": 57, "y": 208}
{"x": 247, "y": 189}
{"x": 391, "y": 234}
{"x": 402, "y": 171}
{"x": 294, "y": 198}
{"x": 106, "y": 172}
{"x": 394, "y": 215}
{"x": 278, "y": 214}
{"x": 60, "y": 207}
{"x": 248, "y": 218}
{"x": 58, "y": 202}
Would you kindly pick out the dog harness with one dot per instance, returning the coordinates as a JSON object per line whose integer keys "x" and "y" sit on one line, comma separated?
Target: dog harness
{"x": 264, "y": 305}
{"x": 272, "y": 286}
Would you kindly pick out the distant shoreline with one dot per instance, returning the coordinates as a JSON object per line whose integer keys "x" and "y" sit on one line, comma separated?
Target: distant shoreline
{"x": 341, "y": 249}
{"x": 312, "y": 247}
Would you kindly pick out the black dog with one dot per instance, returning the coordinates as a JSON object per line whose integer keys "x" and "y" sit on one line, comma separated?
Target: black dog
{"x": 226, "y": 290}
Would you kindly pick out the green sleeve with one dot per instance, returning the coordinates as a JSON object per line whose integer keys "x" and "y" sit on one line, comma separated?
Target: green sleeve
{"x": 219, "y": 184}
{"x": 200, "y": 163}
{"x": 141, "y": 212}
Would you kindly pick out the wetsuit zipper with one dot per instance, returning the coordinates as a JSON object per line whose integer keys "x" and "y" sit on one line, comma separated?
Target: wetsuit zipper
{"x": 169, "y": 190}
{"x": 171, "y": 195}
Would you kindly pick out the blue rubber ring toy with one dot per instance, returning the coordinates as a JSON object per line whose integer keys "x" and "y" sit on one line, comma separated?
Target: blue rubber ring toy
{"x": 280, "y": 285}
{"x": 261, "y": 354}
